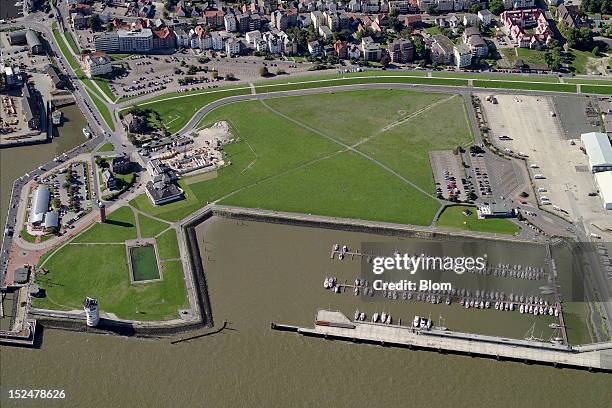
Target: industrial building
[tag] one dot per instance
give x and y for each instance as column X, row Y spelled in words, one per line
column 597, row 147
column 495, row 211
column 40, row 216
column 31, row 107
column 604, row 182
column 29, row 37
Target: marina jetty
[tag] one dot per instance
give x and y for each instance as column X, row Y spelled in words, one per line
column 335, row 325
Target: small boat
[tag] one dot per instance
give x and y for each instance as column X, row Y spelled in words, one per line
column 487, row 305
column 362, row 316
column 336, row 247
column 56, row 117
column 356, row 291
column 357, row 282
column 404, row 296
column 409, row 295
column 512, row 307
column 383, row 317
column 337, row 289
column 522, row 309
column 556, row 312
column 530, row 308
column 415, row 322
column 541, row 310
column 87, row 132
column 482, row 304
column 357, row 314
column 467, row 305
column 554, row 326
column 448, row 300
column 536, row 311
column 496, row 305
column 375, row 317
column 550, row 311
column 389, row 319
column 326, row 283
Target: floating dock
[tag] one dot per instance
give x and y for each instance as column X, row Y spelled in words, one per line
column 335, row 325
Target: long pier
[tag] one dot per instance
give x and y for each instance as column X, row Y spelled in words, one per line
column 335, row 325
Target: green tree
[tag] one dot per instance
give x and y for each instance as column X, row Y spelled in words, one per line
column 496, row 7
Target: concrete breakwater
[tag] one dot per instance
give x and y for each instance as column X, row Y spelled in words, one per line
column 334, row 325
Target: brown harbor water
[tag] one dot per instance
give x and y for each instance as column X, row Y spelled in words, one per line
column 258, row 273
column 16, row 161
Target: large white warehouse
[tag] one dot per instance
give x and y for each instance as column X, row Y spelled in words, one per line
column 604, row 182
column 599, row 150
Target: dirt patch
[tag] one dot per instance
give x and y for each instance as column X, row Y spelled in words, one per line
column 217, row 134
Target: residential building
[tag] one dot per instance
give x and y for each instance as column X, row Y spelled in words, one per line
column 110, row 181
column 354, row 52
column 325, row 32
column 371, row 51
column 217, row 41
column 232, row 47
column 518, row 4
column 284, row 19
column 318, row 19
column 315, row 48
column 478, row 47
column 162, row 190
column 230, row 23
column 598, row 149
column 214, row 19
column 442, row 50
column 463, row 55
column 528, row 28
column 96, row 64
column 401, row 6
column 401, row 51
column 121, row 164
column 164, row 39
column 341, row 48
column 485, row 16
column 253, row 37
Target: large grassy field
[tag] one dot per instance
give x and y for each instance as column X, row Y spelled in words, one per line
column 95, row 264
column 452, row 217
column 340, row 159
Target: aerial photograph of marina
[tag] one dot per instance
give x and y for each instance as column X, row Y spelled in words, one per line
column 279, row 203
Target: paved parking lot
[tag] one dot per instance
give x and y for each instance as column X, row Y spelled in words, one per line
column 449, row 174
column 559, row 169
column 577, row 115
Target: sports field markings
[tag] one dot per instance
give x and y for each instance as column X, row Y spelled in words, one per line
column 348, row 147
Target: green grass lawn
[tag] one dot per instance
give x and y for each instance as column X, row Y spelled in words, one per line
column 500, row 77
column 26, row 236
column 579, row 60
column 104, row 85
column 119, row 226
column 167, row 245
column 72, row 43
column 452, row 217
column 177, row 112
column 101, row 271
column 526, row 85
column 283, row 166
column 106, row 147
column 149, row 227
column 103, row 109
column 605, row 90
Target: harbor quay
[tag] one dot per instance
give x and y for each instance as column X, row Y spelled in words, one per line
column 335, row 325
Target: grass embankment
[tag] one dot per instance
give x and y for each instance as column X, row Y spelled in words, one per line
column 285, row 166
column 106, row 147
column 92, row 90
column 95, row 264
column 452, row 217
